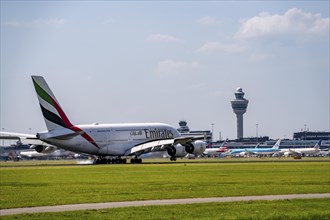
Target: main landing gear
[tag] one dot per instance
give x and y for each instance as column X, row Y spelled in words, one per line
column 173, row 158
column 136, row 160
column 102, row 160
column 116, row 160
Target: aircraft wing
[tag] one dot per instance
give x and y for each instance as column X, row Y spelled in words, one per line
column 294, row 152
column 247, row 151
column 29, row 139
column 160, row 145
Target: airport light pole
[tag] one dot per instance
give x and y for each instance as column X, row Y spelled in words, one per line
column 212, row 133
column 257, row 132
column 305, row 134
column 3, row 141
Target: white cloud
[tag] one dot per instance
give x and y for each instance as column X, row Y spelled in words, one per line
column 36, row 23
column 293, row 22
column 162, row 38
column 170, row 67
column 207, row 20
column 218, row 46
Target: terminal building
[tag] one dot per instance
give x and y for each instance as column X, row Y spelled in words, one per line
column 298, row 140
column 265, row 141
column 311, row 135
column 285, row 143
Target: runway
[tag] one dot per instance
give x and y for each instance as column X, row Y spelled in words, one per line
column 108, row 205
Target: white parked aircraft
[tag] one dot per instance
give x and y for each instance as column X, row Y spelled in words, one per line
column 216, row 151
column 59, row 153
column 114, row 140
column 302, row 151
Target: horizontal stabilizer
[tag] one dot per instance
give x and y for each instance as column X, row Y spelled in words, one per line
column 29, row 139
column 61, row 134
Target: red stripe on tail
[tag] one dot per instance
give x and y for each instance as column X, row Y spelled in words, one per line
column 68, row 124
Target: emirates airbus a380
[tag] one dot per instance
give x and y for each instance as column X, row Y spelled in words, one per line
column 112, row 143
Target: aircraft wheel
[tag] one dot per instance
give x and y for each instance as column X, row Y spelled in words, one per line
column 135, row 160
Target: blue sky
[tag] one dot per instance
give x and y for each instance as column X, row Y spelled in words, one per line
column 113, row 62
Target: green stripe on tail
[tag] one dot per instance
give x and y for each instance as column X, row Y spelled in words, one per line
column 42, row 93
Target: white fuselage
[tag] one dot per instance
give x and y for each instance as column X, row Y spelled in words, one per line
column 214, row 151
column 108, row 139
column 211, row 151
column 264, row 151
column 300, row 151
column 35, row 154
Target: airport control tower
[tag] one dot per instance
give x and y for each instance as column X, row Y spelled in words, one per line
column 239, row 106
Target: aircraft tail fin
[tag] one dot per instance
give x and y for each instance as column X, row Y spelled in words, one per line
column 277, row 144
column 50, row 107
column 318, row 144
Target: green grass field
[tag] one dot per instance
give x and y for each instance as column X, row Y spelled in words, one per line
column 55, row 184
column 286, row 210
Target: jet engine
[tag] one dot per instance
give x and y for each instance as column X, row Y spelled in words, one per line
column 196, row 147
column 242, row 154
column 176, row 151
column 42, row 148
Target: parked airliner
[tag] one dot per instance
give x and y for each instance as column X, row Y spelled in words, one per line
column 216, row 151
column 256, row 150
column 302, row 151
column 117, row 141
column 265, row 151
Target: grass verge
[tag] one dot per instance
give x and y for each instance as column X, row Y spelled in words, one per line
column 285, row 209
column 69, row 184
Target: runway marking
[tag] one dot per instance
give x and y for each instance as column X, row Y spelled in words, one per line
column 108, row 205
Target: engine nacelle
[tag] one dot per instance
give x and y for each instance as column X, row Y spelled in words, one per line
column 196, row 147
column 42, row 148
column 176, row 151
column 242, row 154
column 286, row 154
